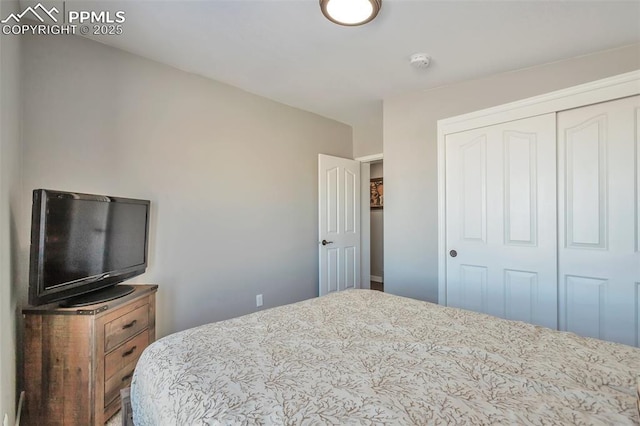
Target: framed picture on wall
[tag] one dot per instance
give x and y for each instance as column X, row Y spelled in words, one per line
column 377, row 193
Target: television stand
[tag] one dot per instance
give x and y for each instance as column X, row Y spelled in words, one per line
column 76, row 360
column 106, row 294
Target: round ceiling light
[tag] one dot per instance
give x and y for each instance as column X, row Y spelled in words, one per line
column 350, row 12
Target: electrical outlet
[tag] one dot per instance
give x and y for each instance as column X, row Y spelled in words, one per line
column 258, row 300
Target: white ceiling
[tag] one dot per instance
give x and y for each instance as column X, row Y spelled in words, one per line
column 287, row 51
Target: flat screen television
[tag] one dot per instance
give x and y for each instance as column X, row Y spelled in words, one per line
column 82, row 245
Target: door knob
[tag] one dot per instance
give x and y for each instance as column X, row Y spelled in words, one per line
column 325, row 242
column 453, row 253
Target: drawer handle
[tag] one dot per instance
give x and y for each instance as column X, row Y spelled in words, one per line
column 129, row 352
column 127, row 377
column 131, row 324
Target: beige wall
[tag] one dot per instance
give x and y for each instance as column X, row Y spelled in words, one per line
column 10, row 105
column 377, row 229
column 367, row 131
column 232, row 177
column 410, row 160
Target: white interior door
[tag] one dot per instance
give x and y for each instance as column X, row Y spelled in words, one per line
column 339, row 223
column 599, row 226
column 501, row 220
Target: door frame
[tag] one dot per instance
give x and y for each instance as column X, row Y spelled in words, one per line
column 619, row 86
column 365, row 217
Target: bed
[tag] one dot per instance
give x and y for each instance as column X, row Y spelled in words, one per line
column 366, row 357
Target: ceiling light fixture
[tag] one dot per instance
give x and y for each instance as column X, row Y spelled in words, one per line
column 350, row 12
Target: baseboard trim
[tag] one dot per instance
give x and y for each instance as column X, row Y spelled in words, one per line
column 376, row 279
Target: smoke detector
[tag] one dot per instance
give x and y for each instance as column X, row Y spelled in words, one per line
column 420, row 60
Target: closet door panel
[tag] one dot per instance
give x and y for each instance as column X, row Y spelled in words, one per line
column 598, row 188
column 501, row 215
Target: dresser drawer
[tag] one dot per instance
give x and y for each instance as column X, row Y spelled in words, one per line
column 124, row 353
column 120, row 380
column 122, row 328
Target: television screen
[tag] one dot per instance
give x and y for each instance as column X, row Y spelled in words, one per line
column 83, row 242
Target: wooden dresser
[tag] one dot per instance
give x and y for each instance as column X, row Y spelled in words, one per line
column 76, row 360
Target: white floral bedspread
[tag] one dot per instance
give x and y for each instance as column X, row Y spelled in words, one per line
column 365, row 357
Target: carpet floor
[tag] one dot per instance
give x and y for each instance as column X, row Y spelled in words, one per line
column 116, row 420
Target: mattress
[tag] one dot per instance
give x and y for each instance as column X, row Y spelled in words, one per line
column 366, row 357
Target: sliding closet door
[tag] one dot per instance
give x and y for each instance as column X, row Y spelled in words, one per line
column 501, row 220
column 599, row 226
